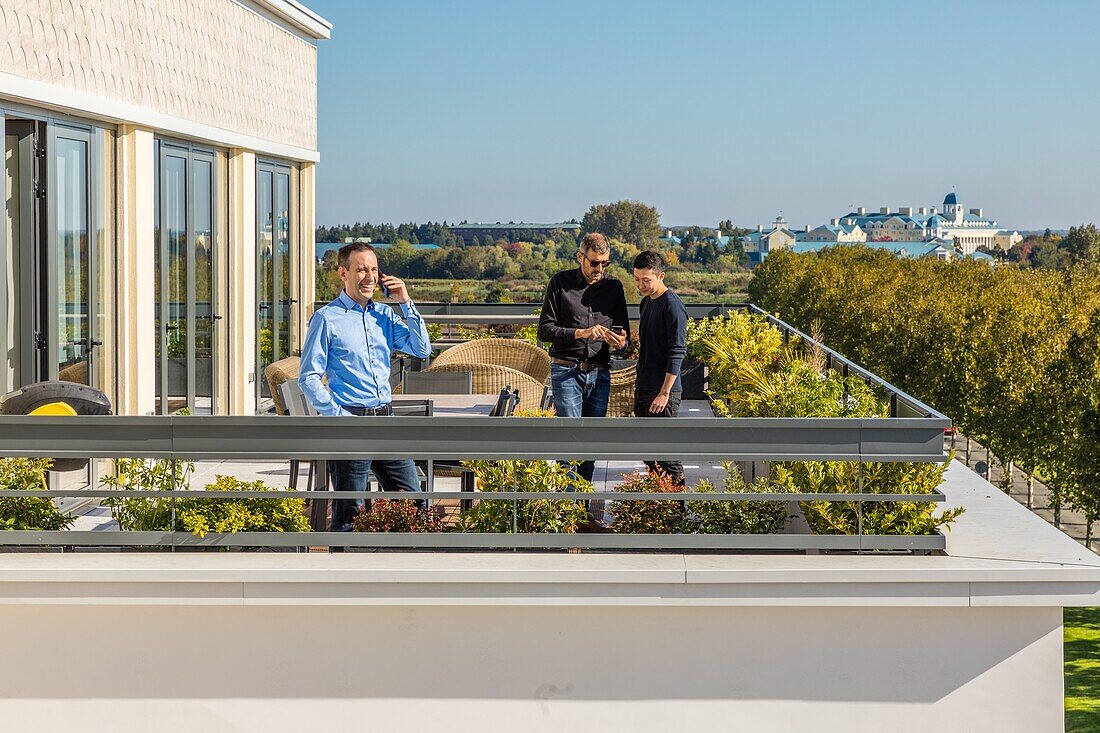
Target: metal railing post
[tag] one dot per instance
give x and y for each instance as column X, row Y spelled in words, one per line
column 172, row 526
column 859, row 506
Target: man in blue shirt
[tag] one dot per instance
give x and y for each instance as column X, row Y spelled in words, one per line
column 350, row 341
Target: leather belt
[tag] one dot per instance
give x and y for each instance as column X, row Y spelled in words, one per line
column 584, row 366
column 361, row 411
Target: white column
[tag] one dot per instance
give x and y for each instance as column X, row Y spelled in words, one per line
column 136, row 272
column 241, row 308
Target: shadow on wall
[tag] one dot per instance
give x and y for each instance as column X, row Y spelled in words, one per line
column 434, row 654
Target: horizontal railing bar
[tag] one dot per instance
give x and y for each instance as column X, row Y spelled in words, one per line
column 477, row 319
column 474, row 496
column 475, row 541
column 448, row 437
column 502, row 312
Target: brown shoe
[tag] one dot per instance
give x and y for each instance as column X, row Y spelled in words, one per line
column 593, row 525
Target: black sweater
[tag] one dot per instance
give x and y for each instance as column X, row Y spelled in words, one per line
column 663, row 336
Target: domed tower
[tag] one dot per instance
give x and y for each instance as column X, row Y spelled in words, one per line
column 952, row 210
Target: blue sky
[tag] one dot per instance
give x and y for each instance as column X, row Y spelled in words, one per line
column 533, row 111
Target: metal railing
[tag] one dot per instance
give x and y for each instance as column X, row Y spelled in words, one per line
column 259, row 438
column 901, row 403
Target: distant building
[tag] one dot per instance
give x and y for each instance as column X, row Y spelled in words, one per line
column 468, row 232
column 835, row 233
column 940, row 249
column 762, row 242
column 969, row 230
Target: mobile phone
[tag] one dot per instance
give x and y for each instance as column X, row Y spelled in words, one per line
column 382, row 285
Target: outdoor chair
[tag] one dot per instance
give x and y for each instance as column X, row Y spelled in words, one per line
column 295, row 403
column 506, row 402
column 620, row 402
column 278, row 372
column 491, row 378
column 398, row 371
column 512, row 353
column 440, row 382
column 412, row 408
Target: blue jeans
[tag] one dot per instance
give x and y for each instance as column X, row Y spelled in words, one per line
column 398, row 475
column 580, row 394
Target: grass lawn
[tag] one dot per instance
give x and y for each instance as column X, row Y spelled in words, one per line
column 1082, row 654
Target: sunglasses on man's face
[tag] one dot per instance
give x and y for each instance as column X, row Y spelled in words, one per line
column 600, row 264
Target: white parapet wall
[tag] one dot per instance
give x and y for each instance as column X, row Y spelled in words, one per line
column 971, row 641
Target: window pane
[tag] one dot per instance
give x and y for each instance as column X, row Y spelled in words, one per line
column 71, row 190
column 204, row 275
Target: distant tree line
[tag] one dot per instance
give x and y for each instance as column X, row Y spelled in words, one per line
column 1081, row 245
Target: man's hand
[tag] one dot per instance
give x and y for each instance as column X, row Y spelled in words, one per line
column 397, row 288
column 594, row 332
column 615, row 339
column 660, row 402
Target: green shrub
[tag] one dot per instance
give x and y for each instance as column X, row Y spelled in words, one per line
column 649, row 516
column 879, row 518
column 145, row 514
column 725, row 343
column 797, row 389
column 540, row 515
column 200, row 516
column 29, row 512
column 738, row 517
column 401, row 515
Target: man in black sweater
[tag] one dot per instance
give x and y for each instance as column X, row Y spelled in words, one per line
column 583, row 318
column 663, row 336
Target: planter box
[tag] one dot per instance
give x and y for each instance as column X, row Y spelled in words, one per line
column 693, row 378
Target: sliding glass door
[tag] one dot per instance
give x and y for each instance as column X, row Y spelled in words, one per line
column 186, row 314
column 274, row 300
column 49, row 247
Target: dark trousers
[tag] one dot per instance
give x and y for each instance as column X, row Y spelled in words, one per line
column 642, row 401
column 578, row 393
column 397, row 475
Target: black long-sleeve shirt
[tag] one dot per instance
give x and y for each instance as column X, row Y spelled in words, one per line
column 663, row 335
column 571, row 303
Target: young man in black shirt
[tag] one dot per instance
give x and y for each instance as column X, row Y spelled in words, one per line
column 662, row 332
column 583, row 318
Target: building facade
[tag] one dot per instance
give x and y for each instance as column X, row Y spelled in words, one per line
column 969, row 230
column 159, row 196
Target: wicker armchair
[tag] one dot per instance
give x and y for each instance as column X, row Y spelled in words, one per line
column 621, row 401
column 278, row 372
column 512, row 353
column 491, row 378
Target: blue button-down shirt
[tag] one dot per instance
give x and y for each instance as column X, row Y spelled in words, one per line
column 351, row 344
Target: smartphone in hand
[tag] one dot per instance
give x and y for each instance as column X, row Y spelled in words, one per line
column 382, row 284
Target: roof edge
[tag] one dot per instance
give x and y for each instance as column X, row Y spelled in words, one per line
column 299, row 16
